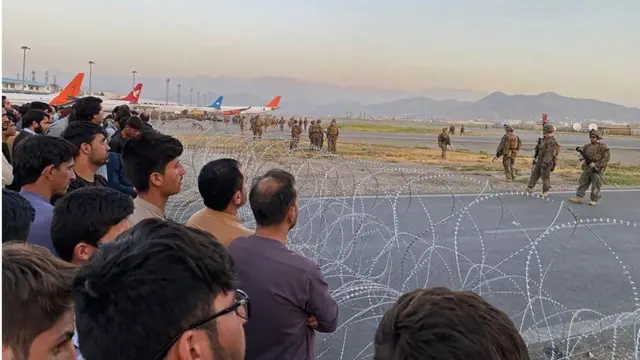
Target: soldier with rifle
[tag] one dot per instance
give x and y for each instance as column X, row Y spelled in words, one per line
column 595, row 156
column 508, row 150
column 544, row 160
column 443, row 142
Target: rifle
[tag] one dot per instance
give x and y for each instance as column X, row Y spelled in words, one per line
column 589, row 161
column 537, row 150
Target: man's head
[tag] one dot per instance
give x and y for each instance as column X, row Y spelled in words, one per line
column 144, row 117
column 438, row 324
column 131, row 127
column 222, row 184
column 152, row 162
column 6, row 103
column 548, row 129
column 90, row 140
column 594, row 136
column 37, row 304
column 189, row 278
column 45, row 160
column 274, row 199
column 8, row 127
column 17, row 216
column 88, row 108
column 43, row 106
column 37, row 121
column 444, row 130
column 87, row 218
column 508, row 129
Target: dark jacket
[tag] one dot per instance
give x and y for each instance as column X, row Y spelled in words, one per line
column 115, row 175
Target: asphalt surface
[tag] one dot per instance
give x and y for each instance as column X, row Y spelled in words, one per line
column 371, row 250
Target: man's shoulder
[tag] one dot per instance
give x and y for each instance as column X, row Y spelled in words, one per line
column 246, row 245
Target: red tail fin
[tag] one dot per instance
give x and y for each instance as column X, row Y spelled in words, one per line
column 275, row 102
column 134, row 95
column 69, row 92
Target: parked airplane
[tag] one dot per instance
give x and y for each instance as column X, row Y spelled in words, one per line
column 131, row 99
column 235, row 110
column 64, row 97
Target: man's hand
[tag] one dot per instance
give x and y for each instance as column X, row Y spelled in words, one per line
column 312, row 322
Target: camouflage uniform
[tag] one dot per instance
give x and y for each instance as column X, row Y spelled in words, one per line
column 462, row 130
column 452, row 129
column 443, row 141
column 295, row 135
column 257, row 128
column 545, row 162
column 508, row 149
column 312, row 134
column 598, row 155
column 242, row 124
column 320, row 134
column 332, row 136
column 282, row 122
column 305, row 124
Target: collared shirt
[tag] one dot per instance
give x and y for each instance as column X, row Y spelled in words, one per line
column 40, row 230
column 285, row 288
column 224, row 227
column 57, row 128
column 76, row 344
column 29, row 131
column 145, row 210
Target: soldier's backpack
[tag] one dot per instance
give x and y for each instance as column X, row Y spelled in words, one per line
column 510, row 146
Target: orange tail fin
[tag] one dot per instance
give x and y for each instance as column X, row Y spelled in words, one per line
column 275, row 102
column 134, row 95
column 69, row 92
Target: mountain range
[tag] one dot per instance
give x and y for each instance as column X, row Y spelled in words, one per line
column 300, row 97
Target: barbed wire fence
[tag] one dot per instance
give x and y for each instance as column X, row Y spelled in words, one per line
column 566, row 281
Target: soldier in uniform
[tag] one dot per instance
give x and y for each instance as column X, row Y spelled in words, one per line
column 544, row 161
column 243, row 123
column 462, row 130
column 320, row 134
column 282, row 122
column 305, row 124
column 332, row 136
column 295, row 134
column 312, row 134
column 596, row 156
column 257, row 128
column 443, row 142
column 452, row 129
column 508, row 149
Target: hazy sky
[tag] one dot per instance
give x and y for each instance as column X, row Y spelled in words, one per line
column 584, row 48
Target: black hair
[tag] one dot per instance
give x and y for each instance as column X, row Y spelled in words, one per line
column 179, row 270
column 144, row 117
column 86, row 215
column 123, row 112
column 33, row 116
column 148, row 154
column 24, row 109
column 39, row 105
column 86, row 108
column 134, row 122
column 218, row 181
column 438, row 323
column 35, row 153
column 82, row 132
column 271, row 196
column 17, row 216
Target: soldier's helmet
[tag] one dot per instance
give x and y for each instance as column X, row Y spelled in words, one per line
column 444, row 129
column 595, row 133
column 333, row 121
column 548, row 128
column 508, row 128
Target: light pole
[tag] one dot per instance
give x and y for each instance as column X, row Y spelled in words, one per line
column 24, row 61
column 204, row 98
column 134, row 78
column 179, row 86
column 167, row 96
column 91, row 62
column 198, row 98
column 191, row 97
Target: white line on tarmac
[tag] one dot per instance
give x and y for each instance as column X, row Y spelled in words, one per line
column 406, row 196
column 508, row 231
column 579, row 328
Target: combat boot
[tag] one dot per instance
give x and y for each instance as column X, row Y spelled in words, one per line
column 545, row 194
column 529, row 190
column 577, row 200
column 592, row 203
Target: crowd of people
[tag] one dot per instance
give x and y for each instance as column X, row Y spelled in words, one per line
column 92, row 268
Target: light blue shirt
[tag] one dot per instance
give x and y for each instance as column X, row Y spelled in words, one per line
column 76, row 344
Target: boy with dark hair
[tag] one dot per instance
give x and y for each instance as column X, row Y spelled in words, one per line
column 43, row 168
column 197, row 312
column 90, row 140
column 87, row 218
column 35, row 122
column 37, row 304
column 440, row 324
column 88, row 108
column 222, row 186
column 153, row 166
column 130, row 128
column 17, row 216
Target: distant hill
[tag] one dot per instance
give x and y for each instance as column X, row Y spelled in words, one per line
column 300, row 97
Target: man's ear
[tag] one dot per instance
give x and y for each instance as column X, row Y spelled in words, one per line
column 191, row 345
column 82, row 252
column 85, row 148
column 156, row 179
column 48, row 172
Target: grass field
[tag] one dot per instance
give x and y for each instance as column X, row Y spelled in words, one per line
column 396, row 128
column 461, row 160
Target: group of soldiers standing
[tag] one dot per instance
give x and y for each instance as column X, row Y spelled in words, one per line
column 595, row 157
column 297, row 126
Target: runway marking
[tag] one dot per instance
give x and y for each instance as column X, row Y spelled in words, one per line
column 579, row 328
column 542, row 228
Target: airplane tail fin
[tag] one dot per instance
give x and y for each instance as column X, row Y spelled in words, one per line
column 134, row 95
column 70, row 92
column 218, row 103
column 275, row 102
